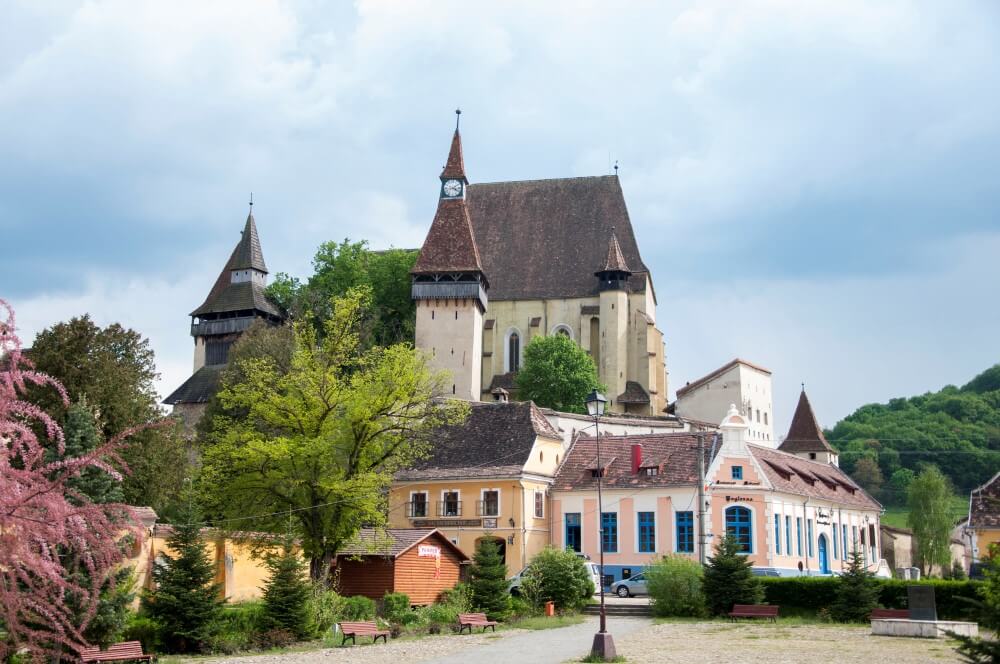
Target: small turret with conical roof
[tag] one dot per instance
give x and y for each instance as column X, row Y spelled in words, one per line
column 615, row 273
column 449, row 285
column 805, row 436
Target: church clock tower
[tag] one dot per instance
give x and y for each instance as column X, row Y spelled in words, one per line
column 449, row 286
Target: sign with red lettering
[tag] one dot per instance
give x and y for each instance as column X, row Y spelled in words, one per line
column 428, row 551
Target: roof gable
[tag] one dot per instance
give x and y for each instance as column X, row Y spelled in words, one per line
column 496, row 440
column 394, row 542
column 718, row 372
column 805, row 434
column 546, row 238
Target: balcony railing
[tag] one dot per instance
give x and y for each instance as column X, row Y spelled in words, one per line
column 449, row 508
column 417, row 510
column 221, row 326
column 487, row 508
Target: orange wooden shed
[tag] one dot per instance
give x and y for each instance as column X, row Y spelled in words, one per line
column 420, row 562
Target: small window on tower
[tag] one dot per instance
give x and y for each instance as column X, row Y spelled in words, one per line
column 456, row 314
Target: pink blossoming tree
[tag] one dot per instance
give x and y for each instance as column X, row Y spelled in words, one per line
column 57, row 548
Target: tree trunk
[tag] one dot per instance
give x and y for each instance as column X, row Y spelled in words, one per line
column 319, row 567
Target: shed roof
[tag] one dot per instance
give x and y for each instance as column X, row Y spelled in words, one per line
column 394, row 542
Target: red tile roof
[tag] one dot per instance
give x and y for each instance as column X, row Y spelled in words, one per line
column 449, row 245
column 805, row 434
column 984, row 505
column 813, row 479
column 615, row 261
column 676, row 454
column 454, row 168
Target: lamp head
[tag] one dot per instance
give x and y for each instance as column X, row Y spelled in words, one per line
column 596, row 403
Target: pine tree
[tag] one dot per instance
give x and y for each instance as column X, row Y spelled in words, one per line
column 857, row 594
column 287, row 591
column 488, row 579
column 185, row 600
column 82, row 437
column 729, row 579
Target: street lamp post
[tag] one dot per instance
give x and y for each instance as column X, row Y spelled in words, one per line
column 604, row 643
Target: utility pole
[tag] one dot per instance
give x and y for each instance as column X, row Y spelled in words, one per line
column 701, row 498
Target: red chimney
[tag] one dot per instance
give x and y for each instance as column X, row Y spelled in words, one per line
column 636, row 458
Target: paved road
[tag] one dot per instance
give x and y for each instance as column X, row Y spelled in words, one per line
column 546, row 646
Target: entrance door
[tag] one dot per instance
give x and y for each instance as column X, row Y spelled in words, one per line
column 824, row 565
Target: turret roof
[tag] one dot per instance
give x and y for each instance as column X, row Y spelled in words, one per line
column 615, row 261
column 248, row 254
column 454, row 168
column 805, row 434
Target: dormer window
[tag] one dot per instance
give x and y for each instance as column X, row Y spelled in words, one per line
column 649, row 471
column 597, row 472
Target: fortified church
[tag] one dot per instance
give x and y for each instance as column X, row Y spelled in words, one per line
column 506, row 262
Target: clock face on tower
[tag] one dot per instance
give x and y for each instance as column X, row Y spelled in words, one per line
column 452, row 188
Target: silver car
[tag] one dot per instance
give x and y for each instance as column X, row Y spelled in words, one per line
column 631, row 587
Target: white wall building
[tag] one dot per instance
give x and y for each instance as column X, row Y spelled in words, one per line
column 739, row 382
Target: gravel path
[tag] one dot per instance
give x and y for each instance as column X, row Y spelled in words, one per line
column 755, row 643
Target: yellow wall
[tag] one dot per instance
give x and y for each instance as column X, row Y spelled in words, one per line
column 530, row 534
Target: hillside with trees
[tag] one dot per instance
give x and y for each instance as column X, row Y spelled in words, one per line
column 957, row 429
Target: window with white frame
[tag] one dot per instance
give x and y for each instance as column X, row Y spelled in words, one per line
column 450, row 503
column 489, row 504
column 418, row 504
column 539, row 504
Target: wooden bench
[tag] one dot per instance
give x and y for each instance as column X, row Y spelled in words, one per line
column 471, row 620
column 353, row 629
column 767, row 611
column 893, row 614
column 119, row 652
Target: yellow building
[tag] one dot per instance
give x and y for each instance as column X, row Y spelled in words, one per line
column 488, row 477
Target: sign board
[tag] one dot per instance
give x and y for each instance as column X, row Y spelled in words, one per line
column 429, row 551
column 490, row 523
column 823, row 517
column 739, row 499
column 921, row 602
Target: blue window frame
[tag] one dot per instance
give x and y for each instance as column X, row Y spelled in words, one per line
column 739, row 525
column 834, row 541
column 809, row 536
column 573, row 535
column 609, row 531
column 788, row 535
column 685, row 532
column 777, row 533
column 737, row 472
column 647, row 532
column 843, row 541
column 798, row 533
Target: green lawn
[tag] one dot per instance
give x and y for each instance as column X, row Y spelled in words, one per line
column 895, row 516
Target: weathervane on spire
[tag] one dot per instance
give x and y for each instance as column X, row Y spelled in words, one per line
column 458, row 116
column 251, row 201
column 616, row 167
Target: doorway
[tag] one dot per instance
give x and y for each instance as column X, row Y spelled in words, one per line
column 824, row 564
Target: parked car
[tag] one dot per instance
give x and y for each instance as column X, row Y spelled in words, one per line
column 518, row 579
column 630, row 587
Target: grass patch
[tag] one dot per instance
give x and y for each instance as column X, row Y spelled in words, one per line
column 595, row 658
column 543, row 622
column 895, row 516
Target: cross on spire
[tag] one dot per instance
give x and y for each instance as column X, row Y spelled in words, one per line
column 458, row 116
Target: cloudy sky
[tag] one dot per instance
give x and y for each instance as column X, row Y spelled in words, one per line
column 814, row 185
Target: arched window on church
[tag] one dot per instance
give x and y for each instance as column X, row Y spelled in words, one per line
column 514, row 351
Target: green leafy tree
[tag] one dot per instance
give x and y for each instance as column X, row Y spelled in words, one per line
column 675, row 586
column 557, row 374
column 867, row 473
column 857, row 592
column 930, row 498
column 113, row 369
column 957, row 429
column 729, row 579
column 340, row 267
column 287, row 591
column 560, row 577
column 184, row 600
column 488, row 579
column 323, row 439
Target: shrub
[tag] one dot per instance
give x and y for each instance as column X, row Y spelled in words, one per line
column 729, row 580
column 675, row 586
column 805, row 593
column 357, row 607
column 460, row 597
column 522, row 608
column 286, row 592
column 489, row 581
column 323, row 609
column 236, row 628
column 440, row 615
column 145, row 630
column 560, row 577
column 275, row 638
column 395, row 606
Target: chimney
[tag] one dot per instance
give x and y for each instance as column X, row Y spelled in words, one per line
column 636, row 458
column 501, row 395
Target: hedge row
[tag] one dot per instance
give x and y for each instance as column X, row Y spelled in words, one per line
column 812, row 593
